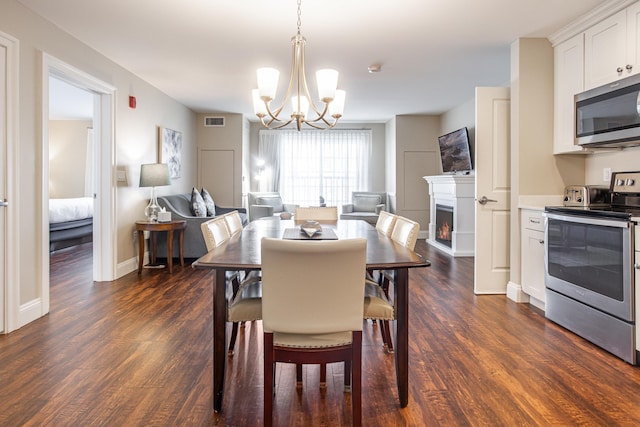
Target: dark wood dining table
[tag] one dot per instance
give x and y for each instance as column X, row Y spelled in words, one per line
column 242, row 252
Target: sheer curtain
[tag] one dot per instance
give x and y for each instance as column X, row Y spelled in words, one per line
column 304, row 165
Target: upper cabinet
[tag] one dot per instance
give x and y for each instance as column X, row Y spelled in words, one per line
column 568, row 81
column 604, row 52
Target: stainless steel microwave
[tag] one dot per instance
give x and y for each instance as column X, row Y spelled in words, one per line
column 609, row 115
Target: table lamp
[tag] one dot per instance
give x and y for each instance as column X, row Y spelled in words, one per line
column 153, row 175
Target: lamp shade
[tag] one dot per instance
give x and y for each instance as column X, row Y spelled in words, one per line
column 154, row 175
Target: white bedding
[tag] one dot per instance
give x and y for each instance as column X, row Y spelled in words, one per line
column 61, row 210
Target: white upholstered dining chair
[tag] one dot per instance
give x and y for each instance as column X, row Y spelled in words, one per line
column 378, row 305
column 324, row 213
column 312, row 309
column 234, row 222
column 245, row 304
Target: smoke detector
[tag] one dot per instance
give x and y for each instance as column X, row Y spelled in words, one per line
column 374, row 68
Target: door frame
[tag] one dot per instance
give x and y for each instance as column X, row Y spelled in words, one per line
column 10, row 282
column 104, row 218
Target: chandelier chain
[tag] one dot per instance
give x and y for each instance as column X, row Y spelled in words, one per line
column 299, row 15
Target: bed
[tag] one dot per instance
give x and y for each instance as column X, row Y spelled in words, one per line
column 70, row 222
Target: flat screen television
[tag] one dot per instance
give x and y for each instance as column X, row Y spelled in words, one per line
column 455, row 153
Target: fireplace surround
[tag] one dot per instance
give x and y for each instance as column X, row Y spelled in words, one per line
column 454, row 195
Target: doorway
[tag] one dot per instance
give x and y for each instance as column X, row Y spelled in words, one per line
column 104, row 239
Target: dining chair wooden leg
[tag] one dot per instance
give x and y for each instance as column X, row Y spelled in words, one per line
column 348, row 371
column 269, row 380
column 232, row 339
column 383, row 333
column 387, row 333
column 298, row 375
column 323, row 375
column 356, row 378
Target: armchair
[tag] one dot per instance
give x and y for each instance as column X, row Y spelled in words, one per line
column 267, row 204
column 365, row 205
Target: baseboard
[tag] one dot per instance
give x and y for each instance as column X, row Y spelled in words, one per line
column 126, row 267
column 30, row 311
column 515, row 293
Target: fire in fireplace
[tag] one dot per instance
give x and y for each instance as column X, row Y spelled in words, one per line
column 444, row 224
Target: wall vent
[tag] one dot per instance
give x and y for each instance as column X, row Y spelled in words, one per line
column 216, row 122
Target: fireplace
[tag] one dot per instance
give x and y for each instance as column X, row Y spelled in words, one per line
column 444, row 224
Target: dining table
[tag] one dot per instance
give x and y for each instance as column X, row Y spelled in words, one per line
column 242, row 253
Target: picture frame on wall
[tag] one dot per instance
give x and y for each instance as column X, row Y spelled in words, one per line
column 170, row 150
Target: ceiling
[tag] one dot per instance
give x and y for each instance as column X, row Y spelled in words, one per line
column 204, row 53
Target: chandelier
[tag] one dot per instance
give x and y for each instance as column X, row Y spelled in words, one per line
column 327, row 80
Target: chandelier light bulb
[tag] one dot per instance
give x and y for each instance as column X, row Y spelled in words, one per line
column 268, row 82
column 301, row 109
column 259, row 108
column 336, row 108
column 327, row 84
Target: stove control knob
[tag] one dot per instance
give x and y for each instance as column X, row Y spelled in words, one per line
column 620, row 182
column 579, row 199
column 566, row 198
column 630, row 181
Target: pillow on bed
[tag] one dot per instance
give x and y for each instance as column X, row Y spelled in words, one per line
column 209, row 203
column 198, row 208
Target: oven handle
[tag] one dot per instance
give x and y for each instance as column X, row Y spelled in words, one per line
column 590, row 220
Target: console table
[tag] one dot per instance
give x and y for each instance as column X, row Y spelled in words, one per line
column 453, row 195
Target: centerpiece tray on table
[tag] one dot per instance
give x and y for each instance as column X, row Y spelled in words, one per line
column 309, row 230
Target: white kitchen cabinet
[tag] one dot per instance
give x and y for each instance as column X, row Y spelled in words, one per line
column 568, row 81
column 610, row 48
column 532, row 253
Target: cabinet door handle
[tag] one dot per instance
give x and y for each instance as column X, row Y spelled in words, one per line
column 629, row 67
column 619, row 69
column 541, row 242
column 534, row 221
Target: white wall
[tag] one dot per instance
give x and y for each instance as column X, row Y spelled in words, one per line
column 135, row 133
column 67, row 157
column 625, row 160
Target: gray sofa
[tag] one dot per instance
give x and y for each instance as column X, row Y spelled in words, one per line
column 365, row 205
column 180, row 207
column 267, row 204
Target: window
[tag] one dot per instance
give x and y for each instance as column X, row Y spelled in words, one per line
column 304, row 165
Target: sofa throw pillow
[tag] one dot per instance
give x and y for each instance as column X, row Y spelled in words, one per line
column 366, row 202
column 198, row 208
column 208, row 201
column 274, row 201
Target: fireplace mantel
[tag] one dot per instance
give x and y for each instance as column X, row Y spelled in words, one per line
column 458, row 192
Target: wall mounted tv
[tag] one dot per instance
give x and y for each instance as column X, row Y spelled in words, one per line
column 455, row 153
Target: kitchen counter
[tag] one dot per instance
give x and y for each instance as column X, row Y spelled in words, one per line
column 539, row 202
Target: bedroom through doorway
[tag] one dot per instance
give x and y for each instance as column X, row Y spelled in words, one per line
column 71, row 165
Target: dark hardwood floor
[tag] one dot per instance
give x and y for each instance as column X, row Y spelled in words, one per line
column 137, row 352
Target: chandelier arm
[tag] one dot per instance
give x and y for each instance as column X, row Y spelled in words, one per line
column 315, row 126
column 307, row 93
column 273, row 114
column 321, row 115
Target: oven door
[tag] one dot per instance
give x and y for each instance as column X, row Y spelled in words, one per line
column 590, row 259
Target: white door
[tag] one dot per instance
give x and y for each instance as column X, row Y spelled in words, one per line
column 493, row 190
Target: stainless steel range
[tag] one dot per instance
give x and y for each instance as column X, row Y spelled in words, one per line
column 589, row 267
